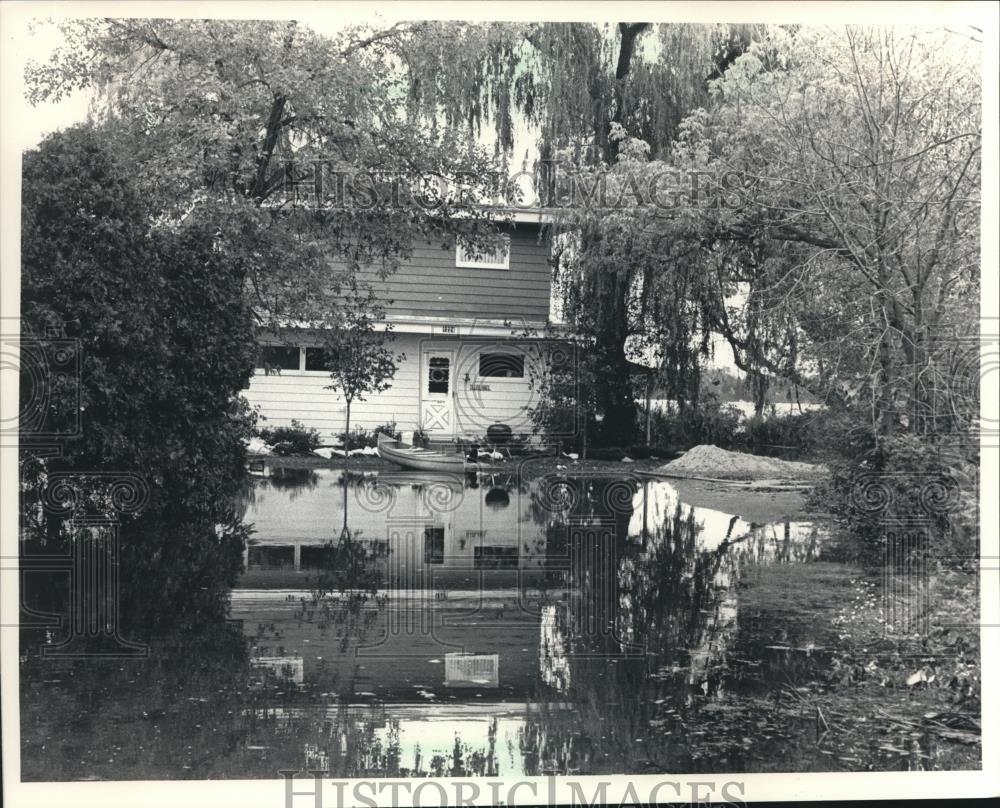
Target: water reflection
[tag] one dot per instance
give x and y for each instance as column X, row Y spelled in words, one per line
column 412, row 624
column 606, row 603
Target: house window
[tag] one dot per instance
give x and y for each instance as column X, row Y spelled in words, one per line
column 278, row 357
column 501, row 365
column 317, row 359
column 497, row 258
column 438, row 371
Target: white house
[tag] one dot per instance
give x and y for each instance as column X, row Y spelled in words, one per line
column 461, row 322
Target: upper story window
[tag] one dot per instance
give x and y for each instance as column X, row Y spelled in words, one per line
column 278, row 357
column 498, row 258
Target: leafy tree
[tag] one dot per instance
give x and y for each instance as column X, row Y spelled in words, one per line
column 357, row 353
column 856, row 155
column 291, row 144
column 165, row 343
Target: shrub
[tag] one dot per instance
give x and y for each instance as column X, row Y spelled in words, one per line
column 519, row 443
column 907, row 495
column 779, row 431
column 361, row 437
column 387, row 429
column 605, row 453
column 635, row 452
column 639, row 452
column 294, row 439
column 709, row 422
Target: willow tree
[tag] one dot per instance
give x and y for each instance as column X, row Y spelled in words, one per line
column 580, row 90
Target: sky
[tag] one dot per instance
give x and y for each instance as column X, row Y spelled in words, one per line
column 30, row 124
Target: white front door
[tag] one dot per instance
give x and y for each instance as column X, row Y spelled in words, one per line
column 437, row 383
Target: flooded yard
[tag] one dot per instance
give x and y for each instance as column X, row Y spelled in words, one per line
column 552, row 623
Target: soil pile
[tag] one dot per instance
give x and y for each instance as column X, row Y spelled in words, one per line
column 711, row 461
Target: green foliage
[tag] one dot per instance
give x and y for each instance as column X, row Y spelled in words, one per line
column 613, row 453
column 561, row 77
column 388, row 428
column 351, row 564
column 166, row 342
column 234, row 122
column 356, row 347
column 599, row 95
column 709, row 422
column 293, row 439
column 166, row 339
column 862, row 282
column 658, row 451
column 730, row 386
column 779, row 431
column 567, row 394
column 908, row 495
column 361, row 437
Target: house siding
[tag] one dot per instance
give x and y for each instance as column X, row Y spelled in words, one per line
column 429, row 283
column 301, row 395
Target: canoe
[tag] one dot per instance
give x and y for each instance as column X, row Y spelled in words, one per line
column 417, row 459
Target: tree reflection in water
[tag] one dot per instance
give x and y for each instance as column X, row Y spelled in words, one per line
column 644, row 704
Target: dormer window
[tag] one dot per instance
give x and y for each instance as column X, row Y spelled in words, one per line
column 497, row 258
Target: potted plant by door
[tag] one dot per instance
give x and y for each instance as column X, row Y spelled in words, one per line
column 420, row 439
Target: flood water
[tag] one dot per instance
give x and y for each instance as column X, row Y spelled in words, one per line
column 399, row 624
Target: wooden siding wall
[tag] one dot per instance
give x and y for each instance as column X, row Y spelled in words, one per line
column 300, row 395
column 430, row 285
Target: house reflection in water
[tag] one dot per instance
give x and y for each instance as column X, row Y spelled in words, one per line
column 506, row 628
column 279, row 669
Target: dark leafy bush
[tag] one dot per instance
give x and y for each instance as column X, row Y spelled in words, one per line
column 645, row 452
column 906, row 495
column 387, row 429
column 635, row 452
column 164, row 343
column 709, row 422
column 605, row 453
column 521, row 442
column 293, row 439
column 361, row 437
column 780, row 431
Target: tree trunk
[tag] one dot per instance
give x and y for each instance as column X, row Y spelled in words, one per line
column 649, row 411
column 615, row 398
column 883, row 394
column 347, row 431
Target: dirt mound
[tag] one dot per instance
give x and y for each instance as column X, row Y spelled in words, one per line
column 711, row 461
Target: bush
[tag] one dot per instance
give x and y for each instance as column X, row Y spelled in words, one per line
column 907, row 495
column 709, row 422
column 639, row 452
column 780, row 431
column 519, row 443
column 161, row 340
column 605, row 453
column 294, row 439
column 387, row 429
column 361, row 437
